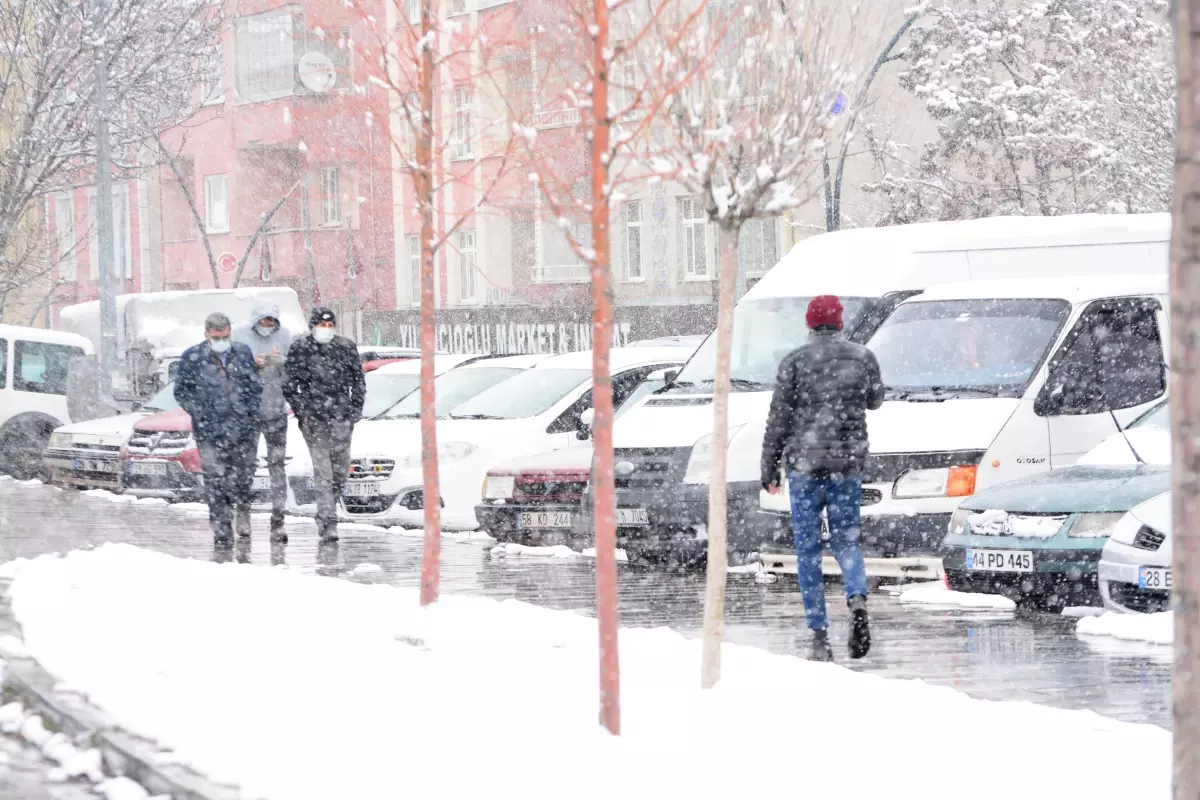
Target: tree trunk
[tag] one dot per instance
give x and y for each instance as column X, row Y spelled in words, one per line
column 1185, row 409
column 714, row 594
column 432, row 552
column 603, row 487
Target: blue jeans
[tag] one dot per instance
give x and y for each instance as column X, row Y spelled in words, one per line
column 841, row 497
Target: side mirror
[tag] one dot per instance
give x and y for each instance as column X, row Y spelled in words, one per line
column 586, row 417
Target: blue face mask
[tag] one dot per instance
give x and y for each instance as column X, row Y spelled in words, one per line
column 220, row 345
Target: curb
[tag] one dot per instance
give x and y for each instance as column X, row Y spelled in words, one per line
column 123, row 753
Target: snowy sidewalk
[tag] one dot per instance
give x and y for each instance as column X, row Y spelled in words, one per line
column 299, row 687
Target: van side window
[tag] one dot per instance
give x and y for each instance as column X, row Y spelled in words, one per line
column 1111, row 359
column 3, row 363
column 42, row 367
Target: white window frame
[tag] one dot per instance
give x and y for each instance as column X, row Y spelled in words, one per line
column 64, row 229
column 412, row 11
column 413, row 242
column 456, row 7
column 753, row 246
column 265, row 66
column 621, row 96
column 331, row 197
column 695, row 242
column 122, row 234
column 212, row 221
column 213, row 94
column 463, row 99
column 468, row 279
column 632, row 228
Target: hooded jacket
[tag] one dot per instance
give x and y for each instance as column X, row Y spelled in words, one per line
column 274, row 349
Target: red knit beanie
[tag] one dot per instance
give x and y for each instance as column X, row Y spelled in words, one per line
column 824, row 309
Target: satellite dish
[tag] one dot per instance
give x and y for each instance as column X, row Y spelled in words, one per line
column 316, row 72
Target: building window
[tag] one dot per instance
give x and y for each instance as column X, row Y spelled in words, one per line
column 466, row 265
column 457, row 7
column 631, row 238
column 265, row 55
column 212, row 91
column 414, row 266
column 216, row 201
column 412, row 10
column 122, row 245
column 462, row 122
column 623, row 88
column 64, row 226
column 695, row 250
column 331, row 196
column 758, row 246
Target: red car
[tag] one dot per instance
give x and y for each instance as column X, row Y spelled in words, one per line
column 161, row 460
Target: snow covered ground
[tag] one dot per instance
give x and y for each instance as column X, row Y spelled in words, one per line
column 300, row 687
column 1152, row 628
column 935, row 593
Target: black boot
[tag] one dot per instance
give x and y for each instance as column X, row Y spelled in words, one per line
column 821, row 650
column 242, row 522
column 860, row 629
column 278, row 532
column 329, row 531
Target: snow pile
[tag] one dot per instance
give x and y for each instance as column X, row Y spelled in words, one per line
column 412, row 690
column 107, row 495
column 556, row 551
column 935, row 593
column 1152, row 628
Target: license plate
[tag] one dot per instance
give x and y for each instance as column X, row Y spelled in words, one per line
column 1000, row 560
column 92, row 465
column 1154, row 578
column 632, row 516
column 147, row 468
column 365, row 489
column 261, row 484
column 544, row 519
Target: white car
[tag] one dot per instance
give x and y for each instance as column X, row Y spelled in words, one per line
column 536, row 411
column 1135, row 567
column 88, row 454
column 392, row 396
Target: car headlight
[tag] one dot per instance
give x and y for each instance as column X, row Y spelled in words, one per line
column 942, row 482
column 447, row 452
column 63, row 440
column 1126, row 529
column 1094, row 525
column 699, row 466
column 958, row 520
column 498, row 487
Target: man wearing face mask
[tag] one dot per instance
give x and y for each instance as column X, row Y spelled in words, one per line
column 269, row 342
column 218, row 386
column 324, row 385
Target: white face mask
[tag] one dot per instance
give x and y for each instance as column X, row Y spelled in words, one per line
column 324, row 335
column 263, row 330
column 219, row 345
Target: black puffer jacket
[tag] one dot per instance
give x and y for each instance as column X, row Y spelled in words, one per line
column 324, row 382
column 818, row 418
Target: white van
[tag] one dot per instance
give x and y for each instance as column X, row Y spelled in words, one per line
column 34, row 364
column 662, row 446
column 994, row 380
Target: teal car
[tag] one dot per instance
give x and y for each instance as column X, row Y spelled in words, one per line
column 1038, row 540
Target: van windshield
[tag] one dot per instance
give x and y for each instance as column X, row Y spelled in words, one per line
column 965, row 347
column 764, row 331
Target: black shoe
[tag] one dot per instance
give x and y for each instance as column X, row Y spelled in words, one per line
column 242, row 522
column 223, row 539
column 278, row 532
column 860, row 629
column 329, row 532
column 821, row 650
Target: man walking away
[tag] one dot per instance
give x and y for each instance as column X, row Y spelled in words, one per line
column 818, row 426
column 218, row 385
column 269, row 341
column 325, row 387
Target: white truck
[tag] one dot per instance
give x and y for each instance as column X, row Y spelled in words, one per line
column 154, row 328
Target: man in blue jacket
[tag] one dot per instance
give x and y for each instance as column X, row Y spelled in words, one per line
column 218, row 385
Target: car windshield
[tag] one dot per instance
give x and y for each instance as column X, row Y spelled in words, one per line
column 452, row 389
column 525, row 395
column 648, row 386
column 164, row 400
column 764, row 331
column 948, row 347
column 384, row 390
column 1157, row 417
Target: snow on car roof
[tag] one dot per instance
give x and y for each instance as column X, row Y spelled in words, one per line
column 45, row 335
column 412, row 366
column 619, row 358
column 509, row 362
column 1076, row 289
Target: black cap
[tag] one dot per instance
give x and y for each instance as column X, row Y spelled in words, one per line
column 321, row 314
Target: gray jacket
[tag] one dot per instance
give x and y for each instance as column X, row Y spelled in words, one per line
column 274, row 350
column 818, row 417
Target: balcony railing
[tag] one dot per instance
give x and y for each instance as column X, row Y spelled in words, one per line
column 565, row 273
column 558, row 118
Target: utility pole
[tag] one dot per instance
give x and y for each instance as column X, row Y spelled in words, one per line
column 1185, row 407
column 104, row 214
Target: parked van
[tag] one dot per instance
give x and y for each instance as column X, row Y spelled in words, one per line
column 990, row 381
column 34, row 363
column 662, row 447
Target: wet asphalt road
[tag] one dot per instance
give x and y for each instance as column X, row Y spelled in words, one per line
column 987, row 654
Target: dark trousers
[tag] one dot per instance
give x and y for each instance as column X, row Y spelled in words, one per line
column 329, row 445
column 275, row 432
column 228, row 470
